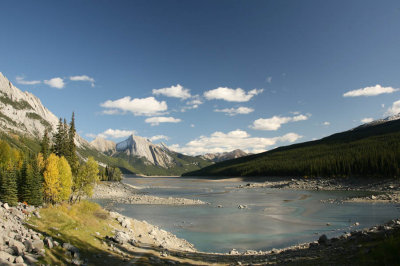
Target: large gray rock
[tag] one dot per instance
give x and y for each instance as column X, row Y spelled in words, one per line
column 74, row 250
column 18, row 247
column 6, row 256
column 30, row 259
column 121, row 237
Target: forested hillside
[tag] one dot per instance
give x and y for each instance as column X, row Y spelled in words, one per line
column 372, row 151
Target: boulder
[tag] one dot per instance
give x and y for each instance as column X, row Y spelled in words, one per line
column 48, row 241
column 121, row 237
column 18, row 247
column 323, row 240
column 5, row 256
column 5, row 206
column 126, row 223
column 19, row 259
column 74, row 250
column 37, row 245
column 30, row 259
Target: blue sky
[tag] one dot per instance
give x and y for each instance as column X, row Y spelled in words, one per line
column 207, row 75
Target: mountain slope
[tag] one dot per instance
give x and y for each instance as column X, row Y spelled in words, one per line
column 148, row 158
column 372, row 150
column 223, row 156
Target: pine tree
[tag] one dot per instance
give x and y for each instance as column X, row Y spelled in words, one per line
column 71, row 154
column 25, row 184
column 37, row 183
column 45, row 145
column 8, row 186
column 51, row 179
column 65, row 179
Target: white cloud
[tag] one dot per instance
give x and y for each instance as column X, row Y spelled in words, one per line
column 235, row 111
column 174, row 91
column 370, row 91
column 158, row 137
column 155, row 121
column 367, row 120
column 113, row 133
column 192, row 104
column 383, row 105
column 394, row 109
column 269, row 79
column 138, row 106
column 237, row 139
column 192, row 125
column 326, row 123
column 275, row 122
column 83, row 78
column 21, row 80
column 55, row 83
column 231, row 95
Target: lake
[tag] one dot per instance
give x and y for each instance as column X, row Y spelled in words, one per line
column 273, row 218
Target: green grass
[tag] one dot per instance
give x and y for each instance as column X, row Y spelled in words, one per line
column 77, row 224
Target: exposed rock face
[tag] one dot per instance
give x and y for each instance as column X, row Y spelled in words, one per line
column 142, row 147
column 24, row 113
column 219, row 157
column 104, row 145
column 379, row 121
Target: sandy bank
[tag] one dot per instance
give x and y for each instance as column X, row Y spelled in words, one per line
column 119, row 192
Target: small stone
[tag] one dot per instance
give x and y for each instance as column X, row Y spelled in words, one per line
column 373, row 197
column 5, row 206
column 19, row 259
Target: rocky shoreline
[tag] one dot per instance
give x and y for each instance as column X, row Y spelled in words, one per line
column 22, row 245
column 378, row 190
column 118, row 192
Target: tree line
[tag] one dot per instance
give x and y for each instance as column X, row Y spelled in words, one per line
column 53, row 175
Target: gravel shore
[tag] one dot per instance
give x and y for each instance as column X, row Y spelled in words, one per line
column 379, row 190
column 119, row 192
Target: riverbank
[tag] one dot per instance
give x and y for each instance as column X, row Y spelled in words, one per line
column 379, row 190
column 84, row 233
column 118, row 192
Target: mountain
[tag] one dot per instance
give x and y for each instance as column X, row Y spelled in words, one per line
column 370, row 150
column 149, row 158
column 223, row 156
column 103, row 145
column 24, row 113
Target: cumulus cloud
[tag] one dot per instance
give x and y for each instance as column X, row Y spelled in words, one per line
column 21, row 80
column 113, row 133
column 193, row 103
column 55, row 83
column 367, row 120
column 155, row 121
column 394, row 109
column 138, row 106
column 268, row 79
column 174, row 91
column 326, row 123
column 275, row 122
column 235, row 111
column 83, row 78
column 231, row 95
column 158, row 137
column 370, row 91
column 237, row 139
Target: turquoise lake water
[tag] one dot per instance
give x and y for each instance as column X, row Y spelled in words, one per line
column 273, row 218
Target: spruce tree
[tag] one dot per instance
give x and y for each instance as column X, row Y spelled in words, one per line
column 37, row 183
column 8, row 186
column 71, row 150
column 45, row 145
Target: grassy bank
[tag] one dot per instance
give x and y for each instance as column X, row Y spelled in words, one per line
column 84, row 225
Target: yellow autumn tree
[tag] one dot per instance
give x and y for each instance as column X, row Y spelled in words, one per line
column 41, row 162
column 86, row 179
column 51, row 179
column 65, row 179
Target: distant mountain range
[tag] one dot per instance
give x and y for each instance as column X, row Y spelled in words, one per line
column 370, row 150
column 223, row 156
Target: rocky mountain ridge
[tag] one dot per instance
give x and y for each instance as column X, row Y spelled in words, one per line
column 223, row 156
column 24, row 113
